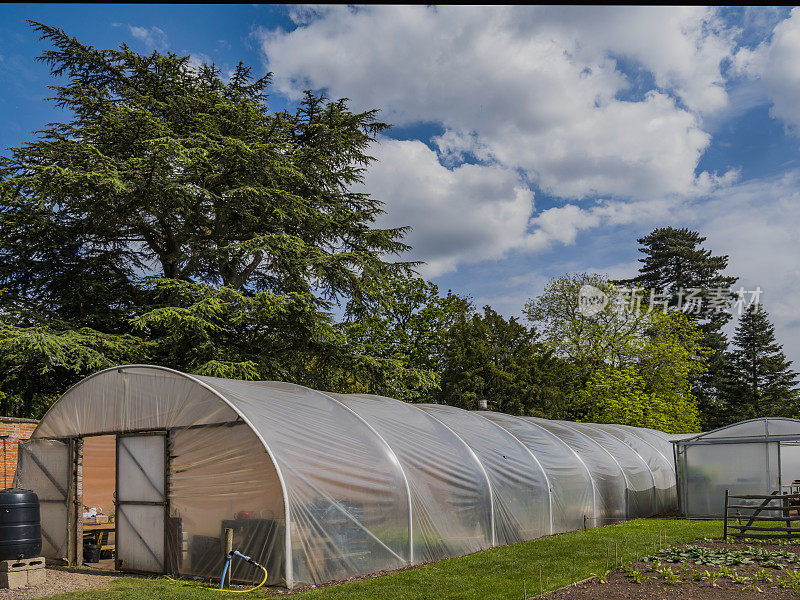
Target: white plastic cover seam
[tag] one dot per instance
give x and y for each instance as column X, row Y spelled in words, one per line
column 536, row 460
column 616, row 462
column 641, row 437
column 649, row 470
column 670, row 465
column 287, row 530
column 578, row 456
column 480, row 464
column 399, row 465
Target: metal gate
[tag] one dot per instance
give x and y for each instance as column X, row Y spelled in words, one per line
column 45, row 466
column 141, row 502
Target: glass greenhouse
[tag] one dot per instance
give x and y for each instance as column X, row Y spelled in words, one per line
column 759, row 456
column 319, row 486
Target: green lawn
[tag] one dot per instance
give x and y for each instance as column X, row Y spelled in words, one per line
column 495, row 574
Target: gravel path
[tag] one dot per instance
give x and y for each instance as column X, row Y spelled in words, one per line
column 59, row 580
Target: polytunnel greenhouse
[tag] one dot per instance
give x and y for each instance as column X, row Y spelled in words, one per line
column 758, row 456
column 319, row 486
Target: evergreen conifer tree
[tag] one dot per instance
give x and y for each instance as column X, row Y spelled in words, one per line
column 174, row 217
column 688, row 277
column 760, row 380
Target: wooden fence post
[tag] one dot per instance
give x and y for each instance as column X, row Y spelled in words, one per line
column 725, row 519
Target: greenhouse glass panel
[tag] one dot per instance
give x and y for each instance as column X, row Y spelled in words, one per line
column 783, row 427
column 790, row 465
column 754, row 457
column 710, row 469
column 756, row 428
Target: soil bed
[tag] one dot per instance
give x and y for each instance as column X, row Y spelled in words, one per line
column 727, row 571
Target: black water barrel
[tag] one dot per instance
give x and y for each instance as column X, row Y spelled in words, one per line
column 20, row 529
column 91, row 553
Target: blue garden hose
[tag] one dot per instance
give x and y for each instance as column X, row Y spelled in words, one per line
column 230, row 556
column 221, row 587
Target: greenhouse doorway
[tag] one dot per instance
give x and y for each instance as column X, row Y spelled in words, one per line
column 790, row 466
column 141, row 502
column 98, row 485
column 123, row 499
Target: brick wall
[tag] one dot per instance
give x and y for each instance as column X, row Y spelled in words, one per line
column 16, row 430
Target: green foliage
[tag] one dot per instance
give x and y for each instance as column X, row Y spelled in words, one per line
column 224, row 332
column 602, row 576
column 408, row 324
column 636, row 367
column 175, row 218
column 668, row 575
column 36, row 360
column 760, row 381
column 654, row 389
column 491, row 358
column 620, row 396
column 607, row 338
column 675, row 262
column 176, row 215
column 169, row 166
column 634, row 574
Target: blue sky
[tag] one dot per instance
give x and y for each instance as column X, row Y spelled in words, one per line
column 528, row 142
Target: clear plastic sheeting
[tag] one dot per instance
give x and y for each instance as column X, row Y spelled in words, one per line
column 573, row 494
column 520, row 488
column 45, row 466
column 321, row 487
column 216, row 485
column 758, row 456
column 344, row 487
column 608, row 478
column 662, row 469
column 451, row 499
column 640, row 481
column 661, row 442
column 136, row 399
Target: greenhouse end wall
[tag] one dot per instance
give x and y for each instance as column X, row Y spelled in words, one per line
column 758, row 456
column 322, row 487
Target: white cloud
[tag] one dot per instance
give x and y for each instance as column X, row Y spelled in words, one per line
column 562, row 224
column 538, row 94
column 756, row 224
column 464, row 215
column 198, row 59
column 776, row 63
column 474, row 213
column 536, row 89
column 153, row 38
